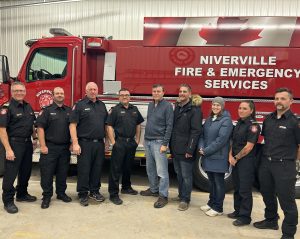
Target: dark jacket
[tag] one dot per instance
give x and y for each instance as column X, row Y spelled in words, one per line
column 187, row 128
column 215, row 142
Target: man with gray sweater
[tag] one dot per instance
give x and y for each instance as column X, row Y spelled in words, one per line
column 157, row 136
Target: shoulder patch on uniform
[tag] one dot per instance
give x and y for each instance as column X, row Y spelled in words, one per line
column 254, row 128
column 5, row 105
column 3, row 112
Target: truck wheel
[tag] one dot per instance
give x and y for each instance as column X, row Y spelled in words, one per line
column 2, row 156
column 201, row 179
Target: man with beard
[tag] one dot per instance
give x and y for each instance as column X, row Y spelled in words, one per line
column 183, row 144
column 277, row 171
column 54, row 137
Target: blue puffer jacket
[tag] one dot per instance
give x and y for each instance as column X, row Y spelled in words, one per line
column 215, row 142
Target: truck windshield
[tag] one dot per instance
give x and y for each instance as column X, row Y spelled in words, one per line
column 47, row 64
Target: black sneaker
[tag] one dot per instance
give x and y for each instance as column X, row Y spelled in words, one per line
column 149, row 193
column 11, row 208
column 161, row 202
column 116, row 200
column 84, row 201
column 233, row 215
column 98, row 197
column 266, row 224
column 45, row 203
column 240, row 223
column 129, row 191
column 26, row 198
column 64, row 197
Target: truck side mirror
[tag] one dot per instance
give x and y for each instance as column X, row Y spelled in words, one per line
column 4, row 70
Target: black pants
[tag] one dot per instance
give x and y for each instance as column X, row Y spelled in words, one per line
column 57, row 162
column 243, row 174
column 123, row 153
column 89, row 167
column 20, row 167
column 278, row 178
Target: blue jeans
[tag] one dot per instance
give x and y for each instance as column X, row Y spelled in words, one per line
column 184, row 170
column 157, row 166
column 216, row 190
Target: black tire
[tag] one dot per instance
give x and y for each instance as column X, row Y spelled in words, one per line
column 201, row 179
column 2, row 157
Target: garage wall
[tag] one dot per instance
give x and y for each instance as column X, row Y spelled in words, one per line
column 122, row 19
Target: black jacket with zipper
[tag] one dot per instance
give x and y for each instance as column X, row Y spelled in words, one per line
column 187, row 129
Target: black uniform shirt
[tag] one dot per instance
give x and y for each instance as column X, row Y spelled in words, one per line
column 17, row 118
column 124, row 121
column 90, row 118
column 281, row 136
column 246, row 130
column 55, row 121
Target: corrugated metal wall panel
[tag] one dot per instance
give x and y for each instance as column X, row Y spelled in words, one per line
column 123, row 19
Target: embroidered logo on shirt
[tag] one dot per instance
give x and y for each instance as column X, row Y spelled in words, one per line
column 254, row 129
column 20, row 114
column 52, row 113
column 282, row 127
column 87, row 109
column 3, row 111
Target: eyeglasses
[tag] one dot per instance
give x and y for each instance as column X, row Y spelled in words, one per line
column 124, row 95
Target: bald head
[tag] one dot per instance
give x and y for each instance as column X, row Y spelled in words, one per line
column 91, row 90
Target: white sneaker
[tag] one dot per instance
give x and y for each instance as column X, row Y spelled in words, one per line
column 213, row 213
column 205, row 208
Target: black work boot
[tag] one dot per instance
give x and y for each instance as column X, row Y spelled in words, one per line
column 266, row 224
column 45, row 203
column 26, row 198
column 129, row 191
column 10, row 207
column 64, row 197
column 116, row 200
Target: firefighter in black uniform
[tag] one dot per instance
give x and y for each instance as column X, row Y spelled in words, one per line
column 54, row 136
column 16, row 128
column 277, row 170
column 87, row 122
column 242, row 158
column 124, row 131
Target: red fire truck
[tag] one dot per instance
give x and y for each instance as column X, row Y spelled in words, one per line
column 232, row 57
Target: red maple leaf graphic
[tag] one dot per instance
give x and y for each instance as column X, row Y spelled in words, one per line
column 229, row 33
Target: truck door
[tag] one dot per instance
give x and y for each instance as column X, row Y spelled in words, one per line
column 47, row 68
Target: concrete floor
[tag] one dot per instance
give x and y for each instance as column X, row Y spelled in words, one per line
column 136, row 218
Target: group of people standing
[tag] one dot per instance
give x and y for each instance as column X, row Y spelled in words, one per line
column 222, row 145
column 88, row 130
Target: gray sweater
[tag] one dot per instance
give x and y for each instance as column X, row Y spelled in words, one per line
column 159, row 121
